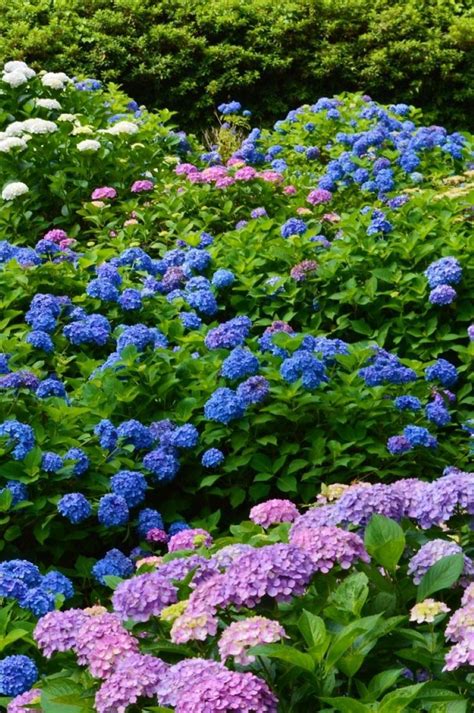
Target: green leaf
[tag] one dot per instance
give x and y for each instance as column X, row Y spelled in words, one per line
column 6, row 498
column 112, row 581
column 284, row 653
column 442, row 575
column 346, row 637
column 346, row 601
column 62, row 695
column 381, row 682
column 314, row 633
column 11, row 637
column 347, row 705
column 398, row 700
column 385, row 541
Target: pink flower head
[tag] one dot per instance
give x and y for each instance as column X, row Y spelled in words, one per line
column 332, row 217
column 274, row 511
column 101, row 642
column 22, row 703
column 242, row 635
column 56, row 630
column 130, row 221
column 303, row 211
column 235, row 162
column 224, row 182
column 185, row 168
column 196, row 177
column 213, row 173
column 67, row 243
column 271, row 176
column 289, row 190
column 135, row 676
column 189, row 540
column 99, row 194
column 299, row 272
column 329, row 545
column 55, row 235
column 319, row 195
column 141, row 186
column 245, row 174
column 156, row 535
column 279, row 326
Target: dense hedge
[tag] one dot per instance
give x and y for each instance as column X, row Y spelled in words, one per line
column 189, row 55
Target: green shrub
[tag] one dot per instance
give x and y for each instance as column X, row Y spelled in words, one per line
column 189, row 55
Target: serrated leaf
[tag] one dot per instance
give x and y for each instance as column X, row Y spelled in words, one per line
column 284, row 653
column 442, row 575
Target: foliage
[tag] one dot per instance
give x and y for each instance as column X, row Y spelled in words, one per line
column 188, row 56
column 194, row 336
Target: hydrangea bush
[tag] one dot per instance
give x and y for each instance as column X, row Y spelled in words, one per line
column 280, row 323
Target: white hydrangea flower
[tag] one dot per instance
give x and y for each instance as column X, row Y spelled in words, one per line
column 14, row 79
column 67, row 117
column 55, row 80
column 122, row 127
column 14, row 190
column 88, row 145
column 17, row 66
column 12, row 142
column 48, row 103
column 31, row 126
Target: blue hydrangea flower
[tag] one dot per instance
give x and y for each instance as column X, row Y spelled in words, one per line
column 397, row 445
column 149, row 519
column 141, row 336
column 305, row 365
column 109, row 272
column 253, row 390
column 40, row 340
column 229, row 334
column 51, row 387
column 19, row 492
column 407, row 403
column 130, row 299
column 107, row 434
column 58, row 583
column 212, row 458
column 113, row 510
column 223, row 406
column 51, row 462
column 240, row 362
column 135, row 433
column 18, row 673
column 437, row 413
column 38, row 601
column 177, row 526
column 163, row 463
column 130, row 485
column 185, row 436
column 75, row 507
column 222, row 278
column 94, row 329
column 419, row 436
column 81, row 464
column 20, row 435
column 190, row 320
column 203, row 301
column 103, row 289
column 442, row 295
column 293, row 226
column 115, row 564
column 443, row 371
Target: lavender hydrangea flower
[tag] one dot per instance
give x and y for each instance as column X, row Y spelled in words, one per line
column 101, row 641
column 433, row 551
column 189, row 540
column 242, row 635
column 274, row 511
column 327, row 546
column 56, row 631
column 135, row 676
column 143, row 596
column 442, row 295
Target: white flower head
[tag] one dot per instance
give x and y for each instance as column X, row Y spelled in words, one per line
column 14, row 79
column 88, row 145
column 122, row 127
column 55, row 80
column 32, row 126
column 11, row 142
column 48, row 103
column 427, row 610
column 67, row 117
column 14, row 190
column 17, row 66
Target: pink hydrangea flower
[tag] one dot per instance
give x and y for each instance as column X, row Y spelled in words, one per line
column 332, row 217
column 22, row 703
column 185, row 168
column 99, row 194
column 224, row 182
column 101, row 642
column 156, row 535
column 318, row 196
column 56, row 630
column 329, row 545
column 289, row 190
column 135, row 676
column 245, row 174
column 141, row 186
column 271, row 176
column 299, row 272
column 56, row 235
column 189, row 540
column 272, row 512
column 242, row 635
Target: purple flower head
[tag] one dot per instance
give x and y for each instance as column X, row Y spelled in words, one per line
column 143, row 596
column 272, row 512
column 189, row 540
column 442, row 295
column 318, row 196
column 246, row 633
column 141, row 186
column 329, row 545
column 99, row 194
column 134, row 677
column 252, row 391
column 433, row 551
column 101, row 642
column 56, row 631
